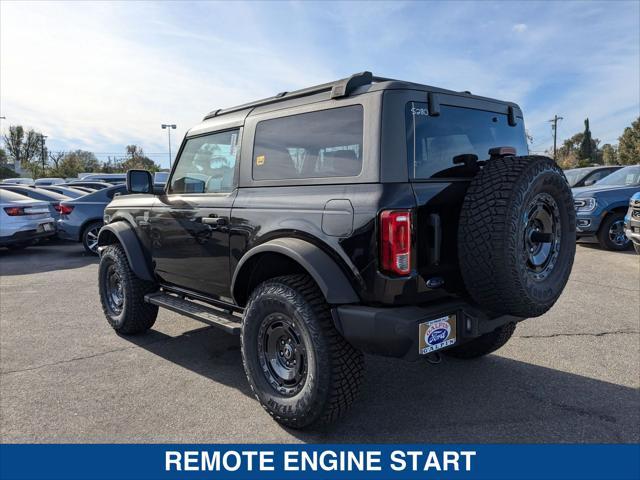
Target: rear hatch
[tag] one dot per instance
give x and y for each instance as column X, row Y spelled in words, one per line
column 444, row 152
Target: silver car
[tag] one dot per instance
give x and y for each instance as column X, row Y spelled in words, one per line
column 23, row 221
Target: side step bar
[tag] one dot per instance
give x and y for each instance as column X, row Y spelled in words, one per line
column 211, row 316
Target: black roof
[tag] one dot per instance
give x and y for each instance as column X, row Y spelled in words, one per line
column 343, row 88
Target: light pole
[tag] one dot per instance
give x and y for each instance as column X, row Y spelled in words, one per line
column 42, row 140
column 169, row 127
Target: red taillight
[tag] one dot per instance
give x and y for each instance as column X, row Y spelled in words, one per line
column 395, row 242
column 64, row 209
column 14, row 211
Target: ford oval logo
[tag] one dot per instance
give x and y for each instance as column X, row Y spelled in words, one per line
column 437, row 336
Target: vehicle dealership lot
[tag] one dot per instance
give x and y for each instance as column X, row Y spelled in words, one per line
column 569, row 376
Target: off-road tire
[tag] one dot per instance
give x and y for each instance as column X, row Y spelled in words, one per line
column 335, row 368
column 603, row 233
column 491, row 235
column 85, row 234
column 136, row 315
column 483, row 345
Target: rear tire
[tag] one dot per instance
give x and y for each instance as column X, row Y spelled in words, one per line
column 122, row 293
column 483, row 345
column 90, row 237
column 517, row 235
column 636, row 247
column 611, row 234
column 301, row 370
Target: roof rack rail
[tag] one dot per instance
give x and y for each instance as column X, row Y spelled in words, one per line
column 338, row 89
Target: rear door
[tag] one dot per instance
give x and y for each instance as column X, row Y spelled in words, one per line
column 442, row 151
column 189, row 225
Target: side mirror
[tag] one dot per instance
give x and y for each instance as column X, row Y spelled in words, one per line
column 588, row 183
column 139, row 181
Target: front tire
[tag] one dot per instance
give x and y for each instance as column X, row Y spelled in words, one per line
column 122, row 293
column 302, row 371
column 611, row 234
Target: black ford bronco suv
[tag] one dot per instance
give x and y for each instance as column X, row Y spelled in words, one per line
column 363, row 215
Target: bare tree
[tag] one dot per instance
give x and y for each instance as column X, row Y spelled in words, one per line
column 56, row 158
column 23, row 147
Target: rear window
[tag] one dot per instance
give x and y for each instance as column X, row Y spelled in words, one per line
column 434, row 141
column 326, row 143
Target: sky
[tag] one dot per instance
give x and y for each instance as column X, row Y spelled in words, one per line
column 102, row 75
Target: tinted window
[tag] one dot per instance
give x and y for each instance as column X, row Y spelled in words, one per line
column 207, row 164
column 327, row 143
column 433, row 142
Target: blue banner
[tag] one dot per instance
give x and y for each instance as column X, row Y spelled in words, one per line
column 325, row 462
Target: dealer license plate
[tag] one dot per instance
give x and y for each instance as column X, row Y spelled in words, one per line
column 46, row 227
column 437, row 334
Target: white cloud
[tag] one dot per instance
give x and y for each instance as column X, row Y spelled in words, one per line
column 519, row 27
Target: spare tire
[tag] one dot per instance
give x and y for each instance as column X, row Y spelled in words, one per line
column 516, row 235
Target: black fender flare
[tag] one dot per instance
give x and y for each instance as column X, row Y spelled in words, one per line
column 333, row 283
column 127, row 237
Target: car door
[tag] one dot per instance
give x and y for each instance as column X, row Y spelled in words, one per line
column 189, row 225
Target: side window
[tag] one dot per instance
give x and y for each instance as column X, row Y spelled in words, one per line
column 207, row 164
column 327, row 143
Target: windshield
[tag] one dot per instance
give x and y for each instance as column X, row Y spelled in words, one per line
column 575, row 175
column 434, row 141
column 624, row 176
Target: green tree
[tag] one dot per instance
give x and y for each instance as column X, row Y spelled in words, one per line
column 23, row 147
column 609, row 154
column 136, row 159
column 75, row 162
column 588, row 147
column 570, row 152
column 629, row 144
column 3, row 157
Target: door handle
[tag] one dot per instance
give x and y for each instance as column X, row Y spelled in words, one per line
column 214, row 221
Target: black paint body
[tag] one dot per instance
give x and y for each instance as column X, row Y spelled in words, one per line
column 338, row 215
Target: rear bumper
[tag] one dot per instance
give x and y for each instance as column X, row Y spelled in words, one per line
column 394, row 332
column 68, row 231
column 25, row 236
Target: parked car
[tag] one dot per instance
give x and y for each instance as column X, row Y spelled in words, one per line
column 88, row 184
column 632, row 222
column 19, row 181
column 113, row 178
column 160, row 177
column 81, row 188
column 23, row 221
column 49, row 181
column 366, row 214
column 64, row 190
column 52, row 198
column 81, row 219
column 587, row 176
column 601, row 208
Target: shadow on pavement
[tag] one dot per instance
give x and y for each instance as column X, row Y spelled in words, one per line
column 44, row 257
column 493, row 399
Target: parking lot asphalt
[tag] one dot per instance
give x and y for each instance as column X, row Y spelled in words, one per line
column 572, row 375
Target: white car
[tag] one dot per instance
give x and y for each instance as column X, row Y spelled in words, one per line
column 19, row 181
column 23, row 221
column 49, row 181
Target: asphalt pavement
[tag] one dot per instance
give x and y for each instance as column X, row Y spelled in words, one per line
column 572, row 375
